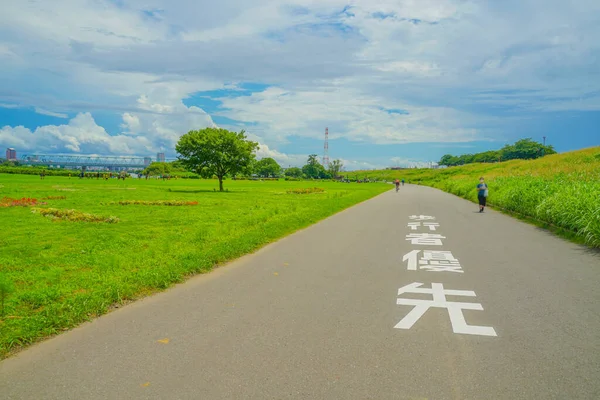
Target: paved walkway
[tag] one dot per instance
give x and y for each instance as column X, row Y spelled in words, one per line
column 499, row 310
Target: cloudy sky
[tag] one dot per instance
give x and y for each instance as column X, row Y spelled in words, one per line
column 395, row 82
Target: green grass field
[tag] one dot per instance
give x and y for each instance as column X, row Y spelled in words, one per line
column 65, row 272
column 560, row 191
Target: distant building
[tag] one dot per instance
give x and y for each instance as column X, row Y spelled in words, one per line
column 160, row 157
column 147, row 161
column 11, row 154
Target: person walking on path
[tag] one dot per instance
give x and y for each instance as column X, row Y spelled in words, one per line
column 402, row 182
column 397, row 184
column 482, row 194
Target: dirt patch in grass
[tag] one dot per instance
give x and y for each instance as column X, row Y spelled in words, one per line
column 73, row 215
column 306, row 190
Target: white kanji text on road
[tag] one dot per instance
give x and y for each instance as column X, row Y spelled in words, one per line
column 457, row 319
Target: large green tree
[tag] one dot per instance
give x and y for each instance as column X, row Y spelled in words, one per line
column 293, row 172
column 313, row 168
column 335, row 167
column 267, row 167
column 157, row 168
column 216, row 152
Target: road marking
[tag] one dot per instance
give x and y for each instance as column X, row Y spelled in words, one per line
column 457, row 319
column 425, row 239
column 421, row 217
column 145, row 384
column 431, row 225
column 433, row 261
column 164, row 341
column 412, row 259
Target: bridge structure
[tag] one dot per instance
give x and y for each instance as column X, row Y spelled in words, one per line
column 83, row 162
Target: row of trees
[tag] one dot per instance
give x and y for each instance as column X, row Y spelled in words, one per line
column 264, row 168
column 524, row 149
column 218, row 152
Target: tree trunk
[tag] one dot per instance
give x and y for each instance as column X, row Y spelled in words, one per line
column 220, row 183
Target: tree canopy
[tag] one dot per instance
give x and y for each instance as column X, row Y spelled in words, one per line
column 157, row 168
column 293, row 172
column 335, row 167
column 524, row 149
column 313, row 168
column 216, row 152
column 267, row 167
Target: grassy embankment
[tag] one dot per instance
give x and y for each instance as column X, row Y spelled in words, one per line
column 66, row 272
column 561, row 191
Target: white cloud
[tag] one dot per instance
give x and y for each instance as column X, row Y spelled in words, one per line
column 353, row 165
column 280, row 113
column 348, row 67
column 50, row 113
column 283, row 159
column 83, row 135
column 165, row 123
column 298, row 160
column 131, row 124
column 412, row 68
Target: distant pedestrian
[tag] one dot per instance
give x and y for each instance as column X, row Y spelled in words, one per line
column 482, row 194
column 397, row 184
column 402, row 182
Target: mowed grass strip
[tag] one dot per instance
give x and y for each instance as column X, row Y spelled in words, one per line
column 66, row 272
column 560, row 191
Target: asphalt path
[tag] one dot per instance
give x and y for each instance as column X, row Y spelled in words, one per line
column 316, row 316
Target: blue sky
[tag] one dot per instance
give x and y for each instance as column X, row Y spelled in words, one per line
column 396, row 82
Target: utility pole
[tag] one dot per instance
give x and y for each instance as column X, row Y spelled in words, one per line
column 544, row 149
column 326, row 149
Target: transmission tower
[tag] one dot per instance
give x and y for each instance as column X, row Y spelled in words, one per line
column 326, row 149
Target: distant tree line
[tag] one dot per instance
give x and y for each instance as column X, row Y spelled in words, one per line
column 216, row 152
column 524, row 149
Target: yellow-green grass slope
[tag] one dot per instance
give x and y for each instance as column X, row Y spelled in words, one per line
column 65, row 272
column 561, row 190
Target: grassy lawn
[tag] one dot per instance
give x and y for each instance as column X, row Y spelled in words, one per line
column 66, row 272
column 561, row 191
